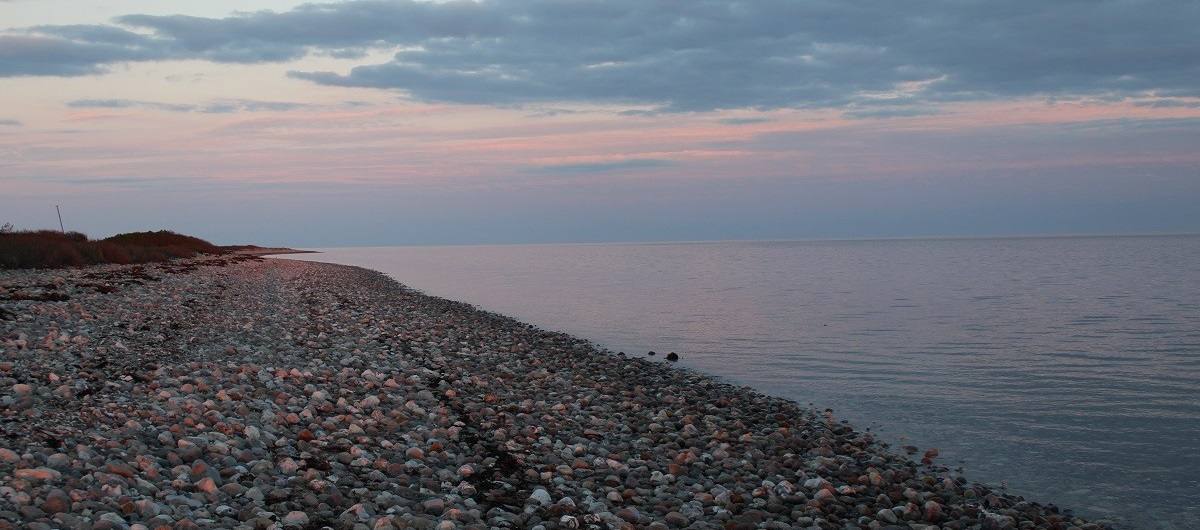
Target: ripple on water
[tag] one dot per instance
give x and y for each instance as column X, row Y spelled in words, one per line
column 1065, row 367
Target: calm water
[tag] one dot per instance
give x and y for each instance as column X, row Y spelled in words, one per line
column 1068, row 368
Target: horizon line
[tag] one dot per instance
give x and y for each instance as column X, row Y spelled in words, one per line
column 780, row 240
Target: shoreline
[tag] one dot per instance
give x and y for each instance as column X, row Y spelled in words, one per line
column 252, row 393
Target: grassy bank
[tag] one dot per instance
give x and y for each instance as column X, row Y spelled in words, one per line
column 42, row 249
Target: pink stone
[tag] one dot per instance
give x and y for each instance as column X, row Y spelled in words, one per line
column 933, row 511
column 40, row 473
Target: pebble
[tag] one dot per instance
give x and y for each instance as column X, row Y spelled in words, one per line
column 57, row 501
column 676, row 519
column 296, row 519
column 40, row 473
column 541, row 497
column 434, row 506
column 256, row 395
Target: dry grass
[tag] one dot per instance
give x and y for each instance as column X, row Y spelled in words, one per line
column 46, row 249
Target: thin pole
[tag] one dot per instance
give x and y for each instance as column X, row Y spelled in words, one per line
column 60, row 225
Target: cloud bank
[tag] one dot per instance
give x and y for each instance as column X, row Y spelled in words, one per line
column 212, row 107
column 859, row 55
column 600, row 167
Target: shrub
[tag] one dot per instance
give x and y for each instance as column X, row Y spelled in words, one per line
column 165, row 239
column 23, row 249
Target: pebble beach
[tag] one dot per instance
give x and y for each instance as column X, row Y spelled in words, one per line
column 260, row 393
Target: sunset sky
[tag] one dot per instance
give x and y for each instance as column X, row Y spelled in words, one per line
column 373, row 123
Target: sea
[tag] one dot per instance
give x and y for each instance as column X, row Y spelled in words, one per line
column 1063, row 369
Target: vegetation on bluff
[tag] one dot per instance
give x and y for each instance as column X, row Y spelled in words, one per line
column 42, row 249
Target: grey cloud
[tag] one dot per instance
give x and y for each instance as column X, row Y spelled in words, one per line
column 48, row 55
column 82, row 181
column 1171, row 103
column 1151, row 142
column 250, row 105
column 174, row 183
column 889, row 112
column 601, row 167
column 644, row 113
column 120, row 182
column 1119, row 127
column 213, row 107
column 95, row 34
column 347, row 53
column 695, row 56
column 744, row 121
column 10, row 123
column 128, row 103
column 713, row 55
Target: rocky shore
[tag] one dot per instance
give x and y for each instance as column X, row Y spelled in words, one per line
column 242, row 392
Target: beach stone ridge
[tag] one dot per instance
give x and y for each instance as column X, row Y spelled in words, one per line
column 250, row 393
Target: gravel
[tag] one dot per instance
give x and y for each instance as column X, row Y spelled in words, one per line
column 250, row 393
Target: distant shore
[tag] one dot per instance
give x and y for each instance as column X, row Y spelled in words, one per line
column 240, row 392
column 254, row 250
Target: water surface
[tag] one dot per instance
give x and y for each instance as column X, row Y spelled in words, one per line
column 1066, row 368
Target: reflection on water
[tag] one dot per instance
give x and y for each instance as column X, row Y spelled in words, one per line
column 1067, row 367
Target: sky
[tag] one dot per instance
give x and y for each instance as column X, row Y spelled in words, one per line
column 538, row 121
